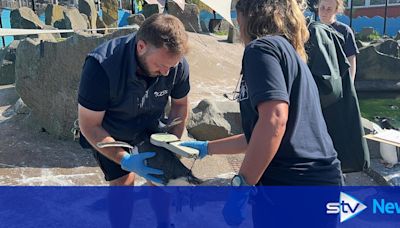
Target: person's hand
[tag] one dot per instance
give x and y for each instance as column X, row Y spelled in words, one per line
column 136, row 163
column 201, row 146
column 234, row 211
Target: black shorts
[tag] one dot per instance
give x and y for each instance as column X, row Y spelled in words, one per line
column 110, row 169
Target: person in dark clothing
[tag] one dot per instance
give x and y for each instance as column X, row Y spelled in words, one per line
column 285, row 138
column 124, row 88
column 327, row 10
column 279, row 104
column 330, row 68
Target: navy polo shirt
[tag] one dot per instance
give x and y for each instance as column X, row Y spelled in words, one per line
column 350, row 47
column 272, row 70
column 133, row 103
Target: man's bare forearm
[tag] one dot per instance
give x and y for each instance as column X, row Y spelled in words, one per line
column 181, row 111
column 95, row 135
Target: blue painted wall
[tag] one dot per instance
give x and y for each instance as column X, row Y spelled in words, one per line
column 5, row 19
column 392, row 26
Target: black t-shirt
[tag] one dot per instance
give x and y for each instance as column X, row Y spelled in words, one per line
column 272, row 70
column 133, row 103
column 94, row 89
column 350, row 47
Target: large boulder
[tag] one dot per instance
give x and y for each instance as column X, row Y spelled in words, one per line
column 377, row 71
column 137, row 19
column 101, row 25
column 218, row 26
column 110, row 12
column 7, row 63
column 361, row 44
column 397, row 37
column 53, row 13
column 48, row 82
column 214, row 120
column 150, row 9
column 389, row 47
column 86, row 19
column 72, row 20
column 234, row 33
column 88, row 8
column 189, row 17
column 25, row 18
column 7, row 72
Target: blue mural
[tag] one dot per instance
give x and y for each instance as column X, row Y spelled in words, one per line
column 206, row 16
column 5, row 23
column 392, row 24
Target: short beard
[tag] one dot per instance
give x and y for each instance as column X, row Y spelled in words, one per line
column 143, row 65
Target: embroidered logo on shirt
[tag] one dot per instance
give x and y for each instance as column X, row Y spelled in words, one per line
column 160, row 93
column 243, row 94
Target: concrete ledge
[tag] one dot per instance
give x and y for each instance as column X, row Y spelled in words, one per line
column 384, row 176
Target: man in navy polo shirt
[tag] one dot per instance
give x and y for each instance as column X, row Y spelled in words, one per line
column 125, row 86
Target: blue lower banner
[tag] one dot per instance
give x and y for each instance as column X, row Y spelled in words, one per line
column 199, row 207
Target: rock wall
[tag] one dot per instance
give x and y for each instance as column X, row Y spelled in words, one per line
column 47, row 79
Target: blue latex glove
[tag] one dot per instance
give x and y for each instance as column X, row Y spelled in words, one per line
column 235, row 207
column 201, row 146
column 136, row 163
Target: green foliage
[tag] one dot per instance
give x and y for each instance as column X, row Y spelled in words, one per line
column 221, row 33
column 381, row 107
column 371, row 37
column 60, row 39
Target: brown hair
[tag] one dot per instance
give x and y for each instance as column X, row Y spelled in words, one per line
column 275, row 17
column 162, row 30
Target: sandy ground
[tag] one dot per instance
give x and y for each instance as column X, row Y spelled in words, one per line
column 30, row 157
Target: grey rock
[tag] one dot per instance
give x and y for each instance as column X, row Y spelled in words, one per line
column 377, row 71
column 86, row 19
column 189, row 17
column 110, row 12
column 234, row 33
column 101, row 25
column 72, row 20
column 21, row 108
column 214, row 120
column 218, row 25
column 137, row 19
column 25, row 18
column 49, row 88
column 8, row 96
column 7, row 63
column 361, row 44
column 88, row 8
column 389, row 47
column 150, row 9
column 384, row 175
column 8, row 52
column 53, row 13
column 7, row 72
column 397, row 37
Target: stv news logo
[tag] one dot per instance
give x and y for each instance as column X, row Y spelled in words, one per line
column 347, row 207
